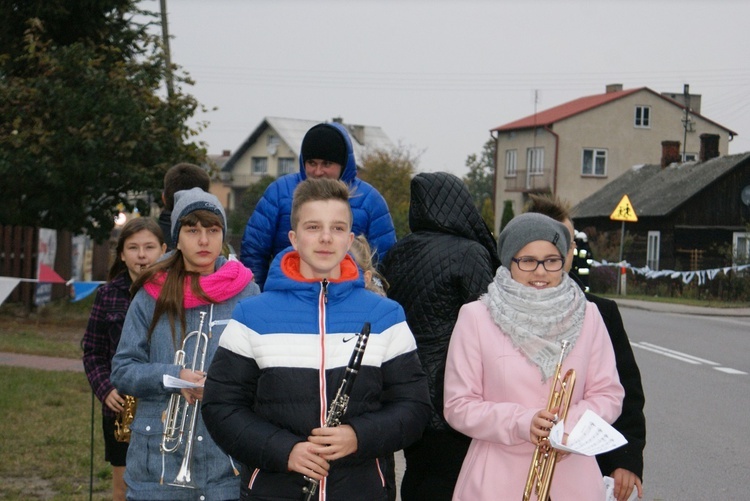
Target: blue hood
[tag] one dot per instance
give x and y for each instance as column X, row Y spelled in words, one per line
column 349, row 172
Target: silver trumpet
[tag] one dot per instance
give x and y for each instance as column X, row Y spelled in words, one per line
column 179, row 410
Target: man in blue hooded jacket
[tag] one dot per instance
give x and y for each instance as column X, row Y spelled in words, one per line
column 326, row 152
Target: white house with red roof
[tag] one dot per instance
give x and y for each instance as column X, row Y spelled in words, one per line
column 576, row 148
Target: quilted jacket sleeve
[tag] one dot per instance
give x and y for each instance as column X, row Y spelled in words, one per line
column 227, row 411
column 380, row 231
column 405, row 411
column 477, row 272
column 256, row 251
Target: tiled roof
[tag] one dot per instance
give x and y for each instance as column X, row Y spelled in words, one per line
column 655, row 191
column 566, row 110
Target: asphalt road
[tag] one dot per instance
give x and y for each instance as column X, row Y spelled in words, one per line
column 696, row 378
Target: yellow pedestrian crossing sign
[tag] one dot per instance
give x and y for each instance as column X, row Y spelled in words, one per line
column 624, row 211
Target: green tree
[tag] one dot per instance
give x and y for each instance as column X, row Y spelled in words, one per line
column 86, row 125
column 237, row 218
column 390, row 172
column 507, row 214
column 481, row 180
column 488, row 214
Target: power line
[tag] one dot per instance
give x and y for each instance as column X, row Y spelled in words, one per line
column 454, row 81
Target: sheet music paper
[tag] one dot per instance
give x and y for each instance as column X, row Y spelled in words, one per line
column 609, row 490
column 175, row 382
column 591, row 436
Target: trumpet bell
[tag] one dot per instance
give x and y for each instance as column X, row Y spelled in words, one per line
column 184, row 478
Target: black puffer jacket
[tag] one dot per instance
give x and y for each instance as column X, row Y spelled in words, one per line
column 448, row 260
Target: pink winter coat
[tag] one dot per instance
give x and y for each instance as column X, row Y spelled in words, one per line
column 492, row 392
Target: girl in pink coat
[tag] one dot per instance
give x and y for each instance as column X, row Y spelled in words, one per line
column 502, row 356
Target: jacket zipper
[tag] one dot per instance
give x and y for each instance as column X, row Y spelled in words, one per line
column 324, row 284
column 322, row 369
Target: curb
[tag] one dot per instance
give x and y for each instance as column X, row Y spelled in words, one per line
column 681, row 309
column 40, row 362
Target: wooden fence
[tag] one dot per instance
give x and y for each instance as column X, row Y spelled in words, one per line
column 19, row 254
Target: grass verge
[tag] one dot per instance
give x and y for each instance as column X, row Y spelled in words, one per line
column 45, row 439
column 54, row 330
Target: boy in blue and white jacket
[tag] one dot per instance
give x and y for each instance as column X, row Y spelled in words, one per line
column 284, row 353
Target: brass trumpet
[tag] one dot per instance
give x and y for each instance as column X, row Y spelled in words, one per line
column 179, row 409
column 545, row 456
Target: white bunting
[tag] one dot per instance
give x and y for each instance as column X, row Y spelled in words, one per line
column 7, row 284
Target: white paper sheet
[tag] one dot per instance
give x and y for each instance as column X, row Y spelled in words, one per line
column 174, row 382
column 590, row 436
column 609, row 490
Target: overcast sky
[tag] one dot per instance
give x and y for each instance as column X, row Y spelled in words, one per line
column 438, row 75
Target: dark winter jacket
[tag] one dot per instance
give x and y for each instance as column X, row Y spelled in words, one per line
column 289, row 346
column 632, row 421
column 448, row 260
column 267, row 230
column 165, row 223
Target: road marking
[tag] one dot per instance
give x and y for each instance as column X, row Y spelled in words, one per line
column 679, row 354
column 729, row 370
column 684, row 357
column 645, row 346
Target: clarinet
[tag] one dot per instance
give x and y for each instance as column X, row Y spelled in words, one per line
column 341, row 401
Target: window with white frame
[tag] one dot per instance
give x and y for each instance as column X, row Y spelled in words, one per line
column 643, row 116
column 286, row 165
column 535, row 161
column 652, row 250
column 741, row 247
column 511, row 159
column 594, row 162
column 272, row 144
column 260, row 166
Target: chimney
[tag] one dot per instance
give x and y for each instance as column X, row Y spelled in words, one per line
column 613, row 88
column 709, row 147
column 670, row 153
column 357, row 132
column 338, row 120
column 226, row 153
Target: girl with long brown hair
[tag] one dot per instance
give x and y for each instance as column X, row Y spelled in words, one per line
column 193, row 282
column 139, row 245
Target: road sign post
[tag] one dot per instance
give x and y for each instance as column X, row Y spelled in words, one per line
column 624, row 212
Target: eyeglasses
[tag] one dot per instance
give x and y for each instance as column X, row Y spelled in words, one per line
column 531, row 264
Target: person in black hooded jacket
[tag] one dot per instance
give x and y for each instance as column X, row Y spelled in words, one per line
column 447, row 260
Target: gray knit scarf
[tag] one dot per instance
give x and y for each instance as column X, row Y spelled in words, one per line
column 536, row 320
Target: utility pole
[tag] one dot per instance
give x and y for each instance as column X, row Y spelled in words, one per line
column 165, row 41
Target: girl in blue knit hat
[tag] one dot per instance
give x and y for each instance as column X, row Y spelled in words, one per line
column 192, row 290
